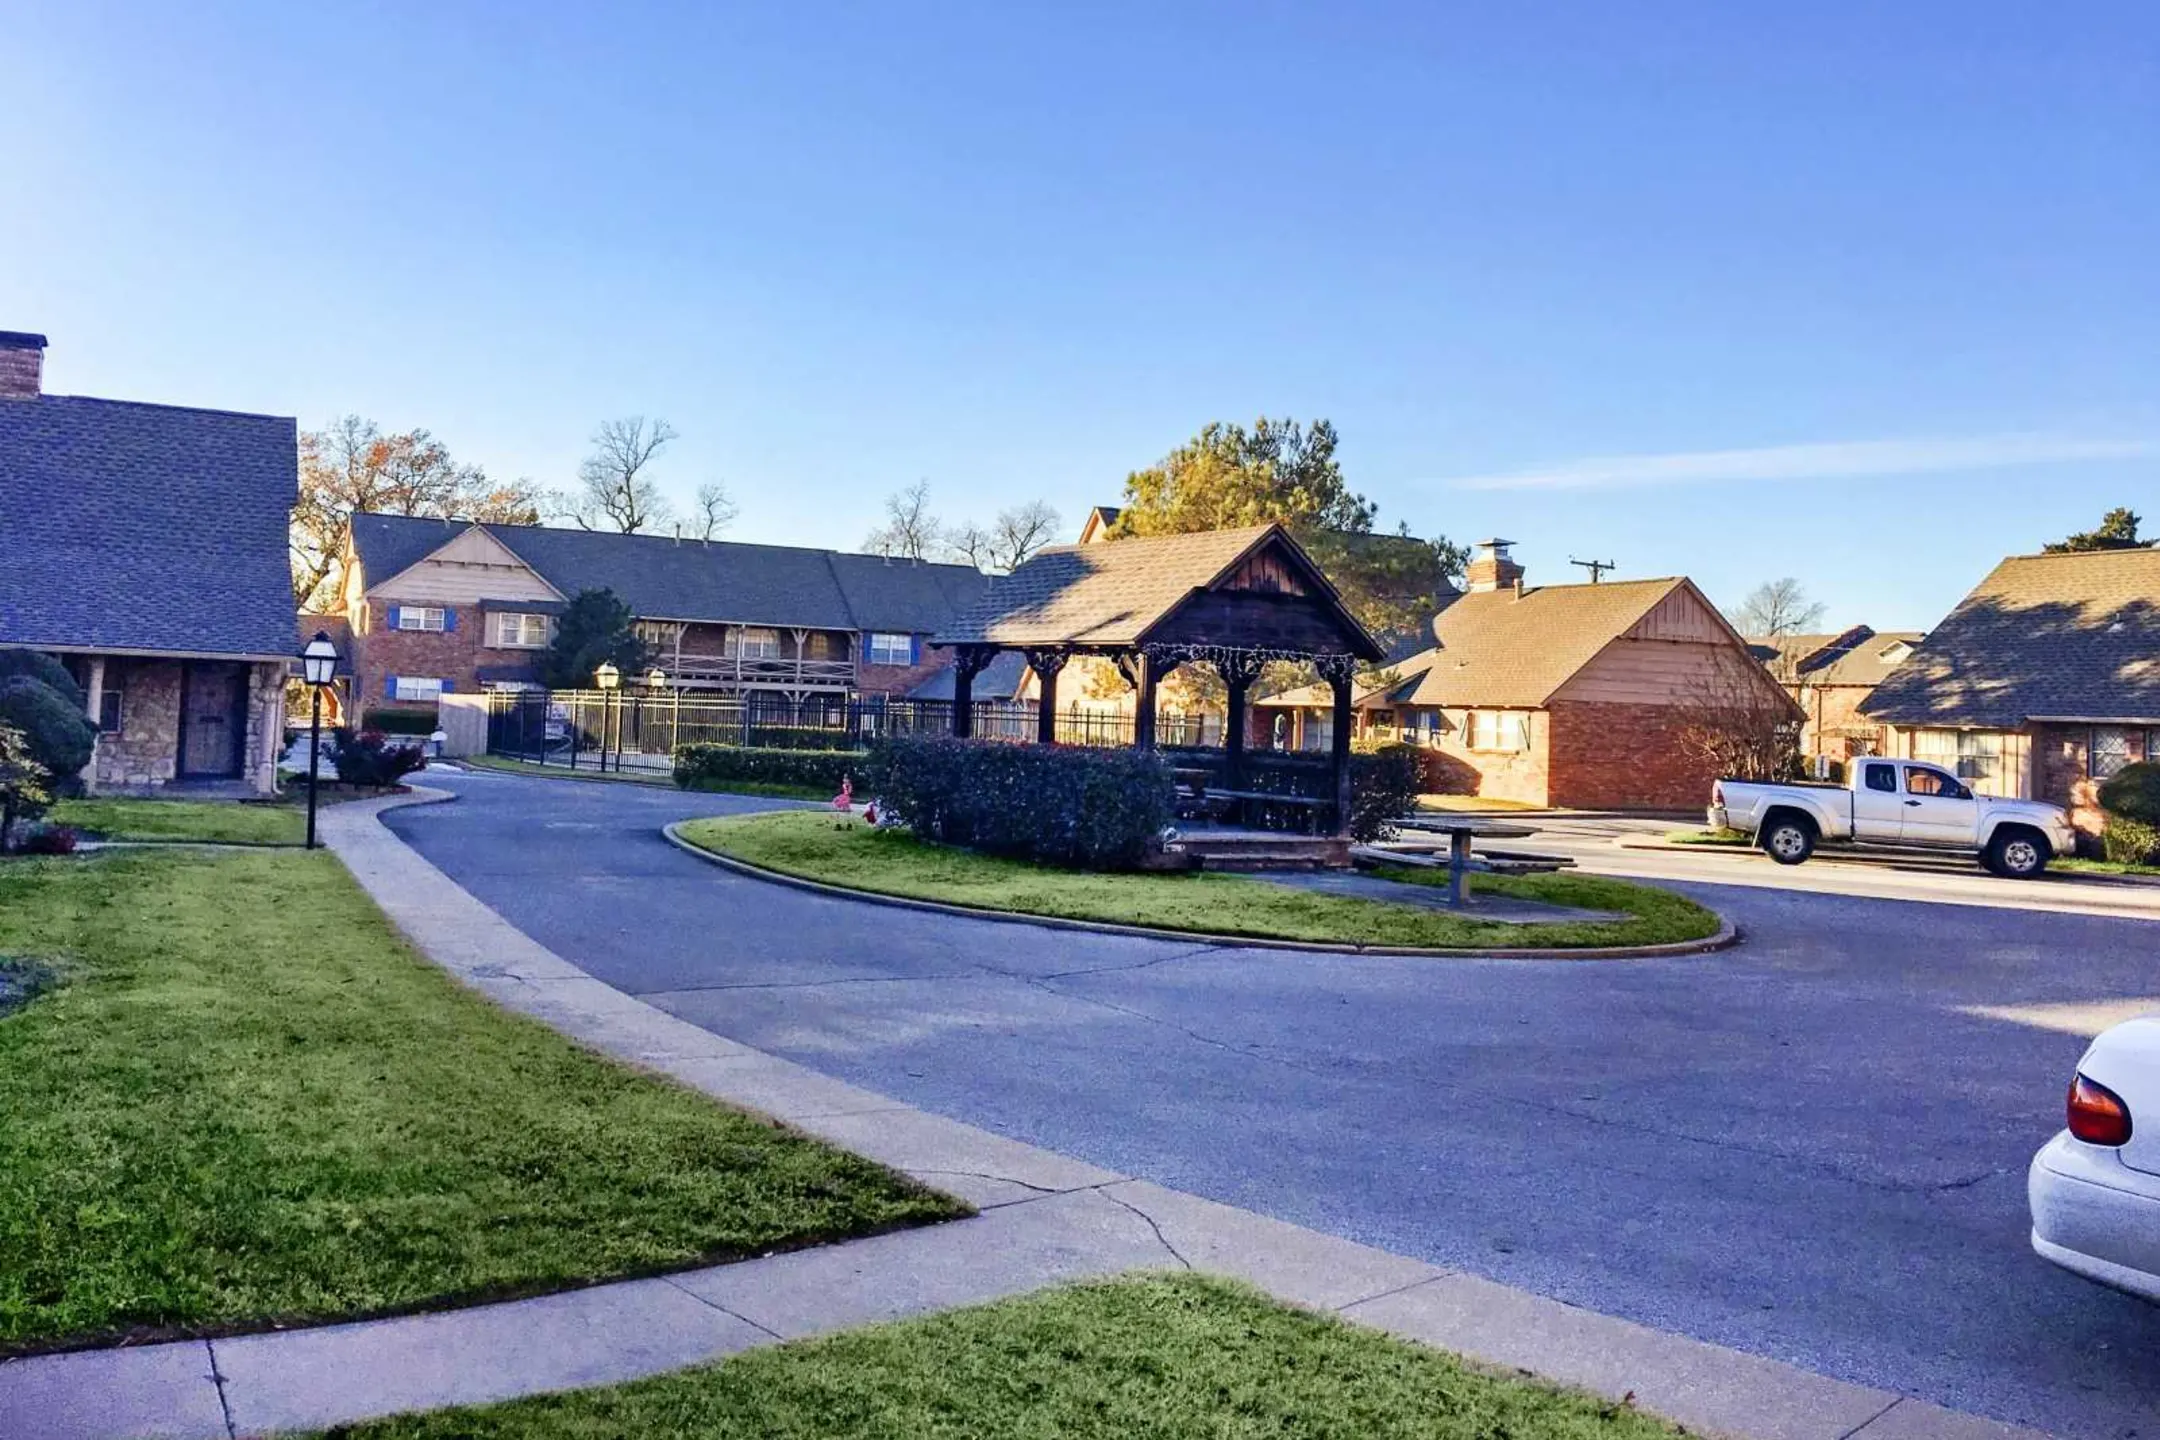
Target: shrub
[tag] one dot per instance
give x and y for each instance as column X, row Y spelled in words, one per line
column 2130, row 842
column 369, row 759
column 701, row 767
column 401, row 722
column 1385, row 781
column 48, row 840
column 2133, row 792
column 23, row 792
column 37, row 665
column 1096, row 808
column 801, row 737
column 61, row 738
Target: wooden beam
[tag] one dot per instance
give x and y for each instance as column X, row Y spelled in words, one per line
column 1234, row 730
column 1046, row 664
column 1339, row 747
column 1144, row 676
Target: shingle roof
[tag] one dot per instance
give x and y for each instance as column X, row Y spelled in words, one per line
column 2042, row 637
column 126, row 526
column 1866, row 662
column 662, row 578
column 1498, row 648
column 998, row 680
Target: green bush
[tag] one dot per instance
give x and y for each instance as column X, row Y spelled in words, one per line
column 59, row 735
column 37, row 665
column 801, row 737
column 701, row 767
column 2133, row 792
column 23, row 792
column 369, row 759
column 1385, row 781
column 2130, row 842
column 1099, row 809
column 401, row 722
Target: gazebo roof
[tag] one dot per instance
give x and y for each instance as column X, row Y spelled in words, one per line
column 1119, row 594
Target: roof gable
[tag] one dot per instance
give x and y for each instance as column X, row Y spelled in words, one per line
column 2072, row 636
column 1124, row 593
column 148, row 528
column 1512, row 651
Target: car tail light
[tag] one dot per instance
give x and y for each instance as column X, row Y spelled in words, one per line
column 2097, row 1114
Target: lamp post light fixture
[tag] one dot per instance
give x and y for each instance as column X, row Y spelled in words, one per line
column 609, row 679
column 318, row 664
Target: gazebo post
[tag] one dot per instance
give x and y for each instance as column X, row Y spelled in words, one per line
column 1143, row 726
column 968, row 662
column 1339, row 746
column 1238, row 673
column 1046, row 664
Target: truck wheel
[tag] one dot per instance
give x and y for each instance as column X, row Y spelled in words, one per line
column 2016, row 853
column 1788, row 839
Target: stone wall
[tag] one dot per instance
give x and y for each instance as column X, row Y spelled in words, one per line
column 265, row 726
column 146, row 751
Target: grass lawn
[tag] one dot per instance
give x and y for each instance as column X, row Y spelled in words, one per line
column 2076, row 865
column 248, row 1103
column 1729, row 839
column 229, row 822
column 847, row 852
column 1164, row 1357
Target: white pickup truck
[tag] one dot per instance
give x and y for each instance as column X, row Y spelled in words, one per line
column 1895, row 802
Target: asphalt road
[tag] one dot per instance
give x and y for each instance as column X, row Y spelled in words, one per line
column 1812, row 1147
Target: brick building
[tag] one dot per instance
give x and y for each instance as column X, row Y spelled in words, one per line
column 1830, row 677
column 2042, row 683
column 1562, row 695
column 145, row 545
column 442, row 606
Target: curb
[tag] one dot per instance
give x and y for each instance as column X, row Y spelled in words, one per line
column 1876, row 858
column 1726, row 937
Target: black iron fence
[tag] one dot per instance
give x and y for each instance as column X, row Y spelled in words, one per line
column 644, row 728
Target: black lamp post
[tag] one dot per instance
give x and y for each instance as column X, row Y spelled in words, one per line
column 318, row 663
column 607, row 677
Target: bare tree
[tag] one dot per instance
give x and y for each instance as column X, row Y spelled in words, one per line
column 716, row 510
column 910, row 531
column 1776, row 608
column 352, row 465
column 970, row 544
column 614, row 491
column 1736, row 720
column 1019, row 532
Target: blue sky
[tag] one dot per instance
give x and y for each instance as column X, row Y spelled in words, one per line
column 1864, row 294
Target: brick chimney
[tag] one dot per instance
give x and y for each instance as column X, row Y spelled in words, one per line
column 1491, row 569
column 22, row 365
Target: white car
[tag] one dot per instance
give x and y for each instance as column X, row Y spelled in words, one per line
column 2095, row 1188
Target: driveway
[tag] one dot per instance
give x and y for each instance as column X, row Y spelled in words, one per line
column 1811, row 1147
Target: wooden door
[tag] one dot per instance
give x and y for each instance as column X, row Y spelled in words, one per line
column 213, row 720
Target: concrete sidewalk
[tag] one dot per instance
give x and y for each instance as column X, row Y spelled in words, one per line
column 1044, row 1218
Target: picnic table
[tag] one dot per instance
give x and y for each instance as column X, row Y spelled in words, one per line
column 1195, row 792
column 1462, row 832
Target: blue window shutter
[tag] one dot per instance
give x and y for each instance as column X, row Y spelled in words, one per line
column 914, row 649
column 449, row 623
column 390, row 688
column 393, row 617
column 447, row 687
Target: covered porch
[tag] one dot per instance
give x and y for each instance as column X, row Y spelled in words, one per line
column 1231, row 601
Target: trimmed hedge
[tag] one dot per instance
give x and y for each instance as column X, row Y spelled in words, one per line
column 401, row 722
column 1098, row 809
column 60, row 736
column 1385, row 781
column 2131, row 798
column 716, row 766
column 37, row 665
column 801, row 737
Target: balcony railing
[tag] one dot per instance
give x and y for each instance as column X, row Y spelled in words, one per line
column 787, row 672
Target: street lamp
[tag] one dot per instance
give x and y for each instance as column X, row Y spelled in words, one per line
column 607, row 677
column 656, row 679
column 318, row 663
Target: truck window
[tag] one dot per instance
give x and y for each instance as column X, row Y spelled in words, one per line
column 1882, row 777
column 1934, row 782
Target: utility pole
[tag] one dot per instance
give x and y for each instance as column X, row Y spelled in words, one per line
column 1597, row 568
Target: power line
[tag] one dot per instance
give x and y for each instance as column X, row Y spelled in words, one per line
column 1597, row 568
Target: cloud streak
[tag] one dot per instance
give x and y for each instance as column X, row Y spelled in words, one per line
column 1833, row 460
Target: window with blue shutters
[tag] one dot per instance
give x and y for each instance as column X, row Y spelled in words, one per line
column 891, row 649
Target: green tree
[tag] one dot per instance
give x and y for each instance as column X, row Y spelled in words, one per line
column 1228, row 476
column 2117, row 530
column 596, row 627
column 60, row 737
column 23, row 795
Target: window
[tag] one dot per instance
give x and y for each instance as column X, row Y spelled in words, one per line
column 2110, row 751
column 1499, row 730
column 1883, row 778
column 518, row 631
column 888, row 649
column 1920, row 781
column 109, row 709
column 754, row 644
column 415, row 687
column 419, row 617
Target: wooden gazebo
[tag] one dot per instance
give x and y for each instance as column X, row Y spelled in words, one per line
column 1234, row 600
